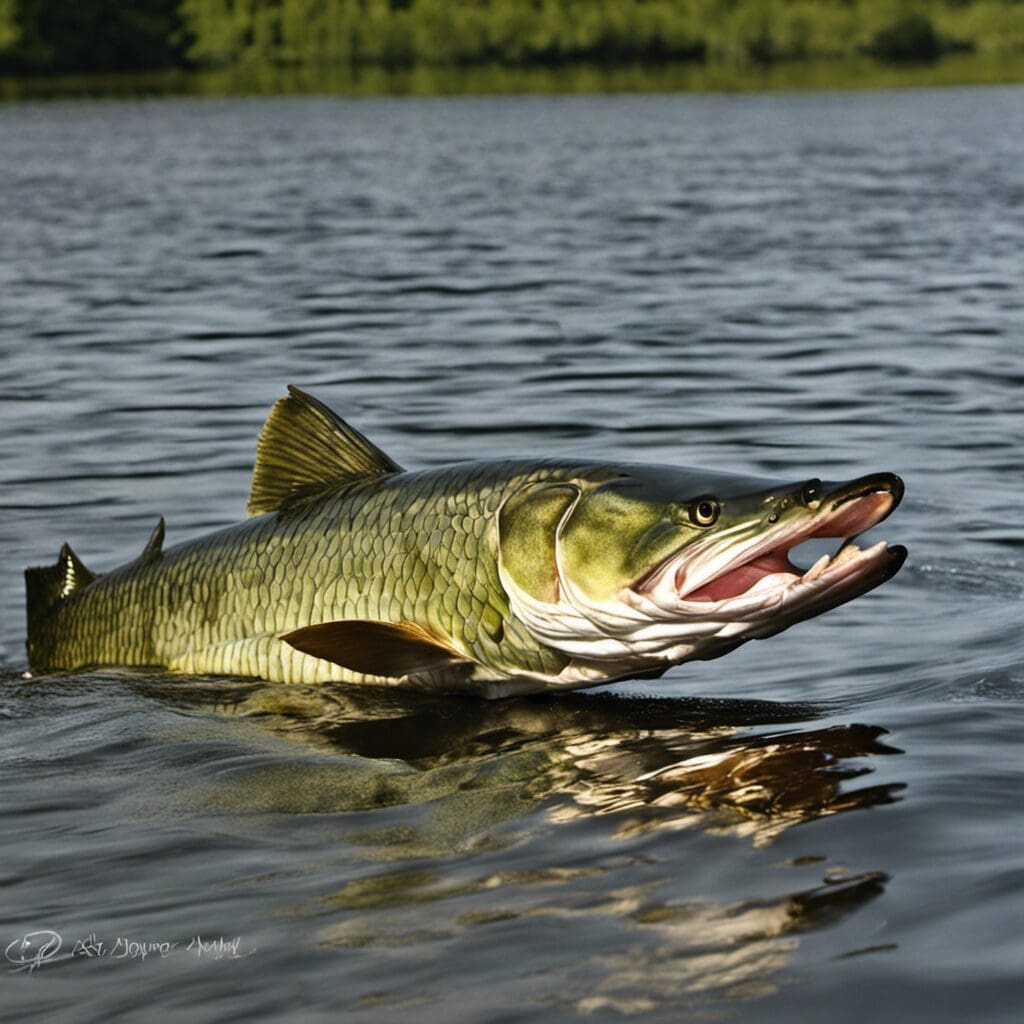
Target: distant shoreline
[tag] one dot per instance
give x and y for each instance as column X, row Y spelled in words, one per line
column 567, row 79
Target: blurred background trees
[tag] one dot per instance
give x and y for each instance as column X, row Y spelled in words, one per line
column 105, row 35
column 92, row 35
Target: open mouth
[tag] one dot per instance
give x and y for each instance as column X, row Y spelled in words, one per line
column 765, row 566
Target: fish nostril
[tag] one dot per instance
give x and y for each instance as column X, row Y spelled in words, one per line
column 811, row 493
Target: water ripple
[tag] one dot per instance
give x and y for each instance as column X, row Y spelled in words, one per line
column 789, row 285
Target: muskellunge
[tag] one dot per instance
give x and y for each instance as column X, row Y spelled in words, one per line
column 492, row 578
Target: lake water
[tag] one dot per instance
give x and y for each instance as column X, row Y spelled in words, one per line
column 827, row 823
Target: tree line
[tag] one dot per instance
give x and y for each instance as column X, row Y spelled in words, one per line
column 51, row 36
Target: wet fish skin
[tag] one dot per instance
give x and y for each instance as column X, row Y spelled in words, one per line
column 492, row 578
column 412, row 547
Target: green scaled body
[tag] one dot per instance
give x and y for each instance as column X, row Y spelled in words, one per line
column 491, row 578
column 414, row 547
column 375, row 544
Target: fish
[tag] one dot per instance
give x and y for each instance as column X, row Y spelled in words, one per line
column 490, row 578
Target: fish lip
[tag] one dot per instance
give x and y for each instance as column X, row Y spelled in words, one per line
column 825, row 517
column 874, row 483
column 897, row 556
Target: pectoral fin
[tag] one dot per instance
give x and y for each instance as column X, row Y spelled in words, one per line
column 392, row 649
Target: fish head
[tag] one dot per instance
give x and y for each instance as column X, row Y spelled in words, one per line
column 650, row 566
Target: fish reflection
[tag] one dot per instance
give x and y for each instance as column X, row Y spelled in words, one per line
column 529, row 843
column 702, row 948
column 768, row 781
column 733, row 765
column 668, row 952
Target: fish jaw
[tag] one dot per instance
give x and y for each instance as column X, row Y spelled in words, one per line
column 747, row 583
column 719, row 590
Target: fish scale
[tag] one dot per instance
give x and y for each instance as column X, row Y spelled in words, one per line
column 216, row 605
column 487, row 577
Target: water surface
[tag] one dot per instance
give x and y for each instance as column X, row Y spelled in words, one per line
column 829, row 820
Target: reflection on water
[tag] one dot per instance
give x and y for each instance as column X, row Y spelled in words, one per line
column 607, row 840
column 735, row 950
column 652, row 762
column 677, row 948
column 484, row 779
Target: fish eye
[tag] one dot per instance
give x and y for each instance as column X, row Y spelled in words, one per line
column 704, row 512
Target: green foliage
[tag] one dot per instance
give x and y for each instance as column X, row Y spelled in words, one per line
column 65, row 35
column 10, row 32
column 988, row 26
column 91, row 35
column 911, row 37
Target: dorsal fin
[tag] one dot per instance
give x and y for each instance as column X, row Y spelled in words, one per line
column 303, row 449
column 154, row 548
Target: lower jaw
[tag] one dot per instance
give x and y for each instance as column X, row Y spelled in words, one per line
column 774, row 573
column 793, row 596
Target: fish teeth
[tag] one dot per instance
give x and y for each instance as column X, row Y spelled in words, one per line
column 817, row 569
column 847, row 553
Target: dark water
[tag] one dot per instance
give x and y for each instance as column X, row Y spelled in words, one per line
column 829, row 822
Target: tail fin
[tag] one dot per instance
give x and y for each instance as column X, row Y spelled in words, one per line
column 47, row 586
